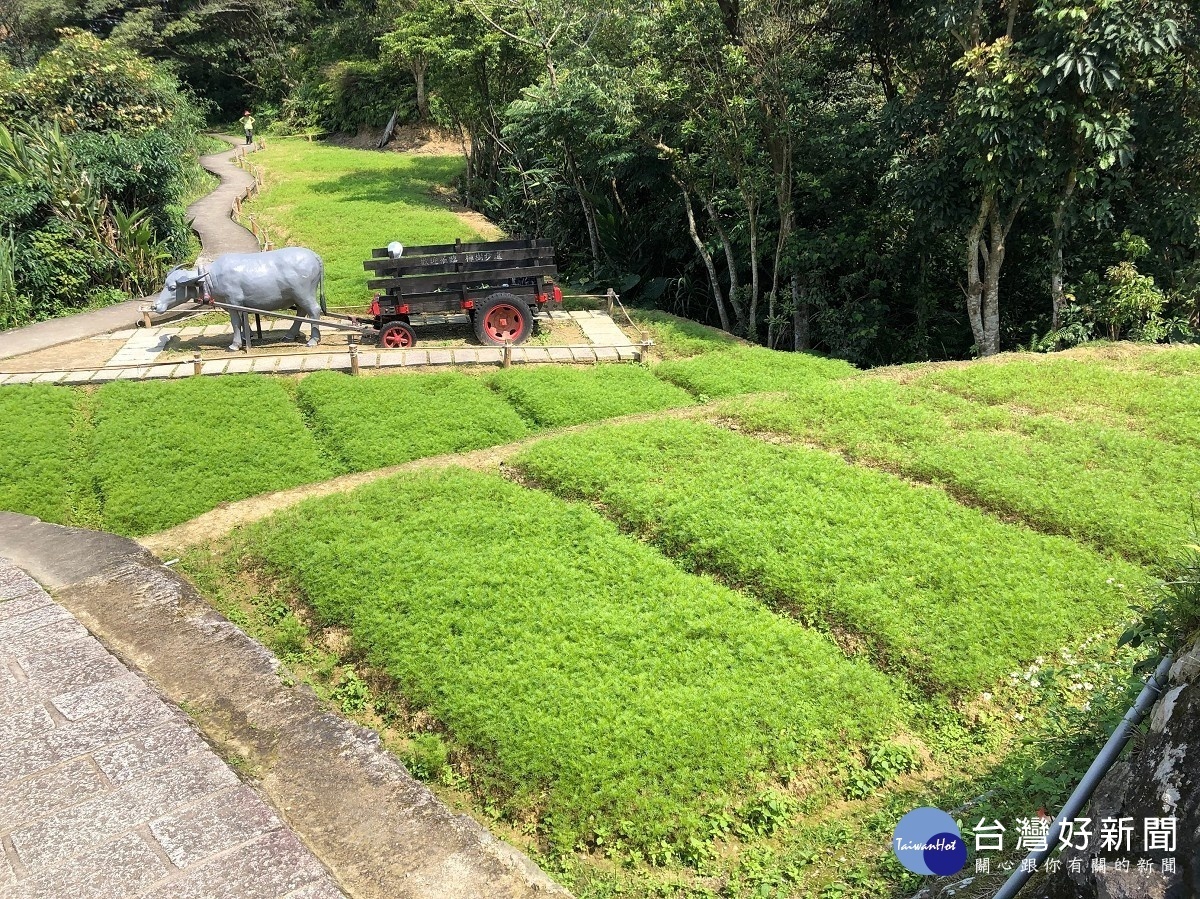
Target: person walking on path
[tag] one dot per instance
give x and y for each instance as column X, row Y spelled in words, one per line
column 248, row 124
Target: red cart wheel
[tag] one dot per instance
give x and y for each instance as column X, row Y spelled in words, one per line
column 397, row 336
column 501, row 317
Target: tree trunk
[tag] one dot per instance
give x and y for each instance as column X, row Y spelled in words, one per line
column 752, row 221
column 1058, row 297
column 589, row 214
column 983, row 291
column 991, row 290
column 704, row 254
column 418, row 70
column 800, row 334
column 735, row 289
column 975, row 249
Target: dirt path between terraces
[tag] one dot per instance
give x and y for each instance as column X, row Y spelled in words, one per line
column 214, row 525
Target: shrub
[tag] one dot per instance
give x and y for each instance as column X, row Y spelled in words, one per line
column 553, row 397
column 375, row 422
column 951, row 596
column 588, row 676
column 168, row 451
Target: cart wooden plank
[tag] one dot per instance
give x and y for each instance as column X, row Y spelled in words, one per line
column 424, row 265
column 467, row 280
column 486, row 246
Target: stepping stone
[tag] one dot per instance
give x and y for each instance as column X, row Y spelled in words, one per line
column 24, row 377
column 628, row 354
column 490, row 354
column 583, row 354
column 131, row 374
column 78, row 377
column 160, row 371
column 415, row 357
column 264, row 363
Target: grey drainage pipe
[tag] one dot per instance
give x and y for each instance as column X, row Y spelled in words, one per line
column 1092, row 778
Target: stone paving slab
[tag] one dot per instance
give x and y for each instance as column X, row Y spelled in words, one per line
column 106, row 791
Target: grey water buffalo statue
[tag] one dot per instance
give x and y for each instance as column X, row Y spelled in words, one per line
column 292, row 277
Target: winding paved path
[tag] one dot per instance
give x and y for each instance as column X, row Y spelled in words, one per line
column 218, row 234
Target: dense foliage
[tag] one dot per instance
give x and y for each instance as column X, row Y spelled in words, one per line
column 166, row 451
column 371, row 423
column 612, row 696
column 835, row 176
column 95, row 160
column 898, row 570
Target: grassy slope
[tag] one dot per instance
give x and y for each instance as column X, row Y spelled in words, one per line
column 344, row 203
column 36, row 470
column 557, row 397
column 1159, row 405
column 375, row 422
column 168, row 451
column 1115, row 488
column 944, row 592
column 747, row 369
column 596, row 681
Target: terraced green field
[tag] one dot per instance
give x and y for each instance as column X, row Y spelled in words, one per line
column 164, row 452
column 750, row 654
column 1113, row 487
column 37, row 473
column 750, row 369
column 370, row 423
column 848, row 549
column 587, row 674
column 1158, row 405
column 557, row 397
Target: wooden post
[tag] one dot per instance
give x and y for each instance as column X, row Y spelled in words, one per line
column 237, row 205
column 146, row 323
column 645, row 354
column 609, row 301
column 506, row 354
column 196, row 363
column 353, row 356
